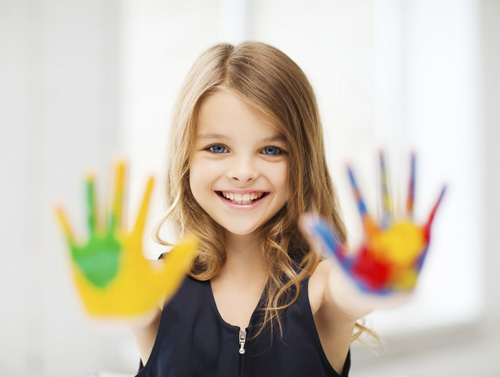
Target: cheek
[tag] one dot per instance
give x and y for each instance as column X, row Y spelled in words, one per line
column 201, row 175
column 281, row 179
column 195, row 177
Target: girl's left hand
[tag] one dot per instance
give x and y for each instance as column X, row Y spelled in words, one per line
column 388, row 263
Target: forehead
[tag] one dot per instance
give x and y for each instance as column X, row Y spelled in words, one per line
column 224, row 113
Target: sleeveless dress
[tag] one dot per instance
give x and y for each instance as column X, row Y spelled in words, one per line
column 193, row 340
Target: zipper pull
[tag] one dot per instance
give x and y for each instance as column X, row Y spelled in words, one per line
column 243, row 338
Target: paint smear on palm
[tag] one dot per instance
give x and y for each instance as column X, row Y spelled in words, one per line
column 138, row 286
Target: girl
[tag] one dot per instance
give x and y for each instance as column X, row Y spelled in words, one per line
column 246, row 161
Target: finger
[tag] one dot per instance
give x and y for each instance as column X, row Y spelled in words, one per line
column 115, row 219
column 64, row 224
column 410, row 200
column 421, row 259
column 91, row 204
column 386, row 197
column 357, row 194
column 141, row 217
column 428, row 225
column 178, row 262
column 316, row 229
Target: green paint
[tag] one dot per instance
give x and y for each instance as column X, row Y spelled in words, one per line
column 91, row 205
column 98, row 259
column 112, row 223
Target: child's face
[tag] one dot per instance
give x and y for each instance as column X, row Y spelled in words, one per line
column 239, row 165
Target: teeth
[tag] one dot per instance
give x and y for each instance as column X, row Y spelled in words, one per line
column 246, row 198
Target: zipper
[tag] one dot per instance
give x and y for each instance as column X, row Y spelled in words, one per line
column 242, row 339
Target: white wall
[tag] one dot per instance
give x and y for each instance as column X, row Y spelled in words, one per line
column 58, row 114
column 490, row 84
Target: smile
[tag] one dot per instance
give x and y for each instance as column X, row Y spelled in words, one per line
column 242, row 199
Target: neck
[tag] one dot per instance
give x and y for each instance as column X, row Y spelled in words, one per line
column 245, row 261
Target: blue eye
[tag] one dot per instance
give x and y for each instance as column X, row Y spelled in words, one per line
column 272, row 151
column 217, row 149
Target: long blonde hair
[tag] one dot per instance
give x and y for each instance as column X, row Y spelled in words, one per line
column 272, row 83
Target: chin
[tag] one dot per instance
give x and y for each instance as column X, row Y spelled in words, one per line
column 240, row 231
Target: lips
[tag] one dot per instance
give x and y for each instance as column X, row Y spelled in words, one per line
column 242, row 198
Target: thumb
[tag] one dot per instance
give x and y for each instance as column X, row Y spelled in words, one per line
column 178, row 263
column 321, row 236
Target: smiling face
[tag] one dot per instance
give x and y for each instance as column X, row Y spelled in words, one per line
column 239, row 164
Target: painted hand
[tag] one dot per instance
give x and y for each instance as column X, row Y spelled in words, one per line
column 111, row 274
column 393, row 251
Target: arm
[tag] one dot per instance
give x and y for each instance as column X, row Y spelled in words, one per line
column 144, row 333
column 145, row 330
column 381, row 274
column 335, row 327
column 112, row 276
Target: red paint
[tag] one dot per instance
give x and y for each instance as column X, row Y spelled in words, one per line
column 374, row 273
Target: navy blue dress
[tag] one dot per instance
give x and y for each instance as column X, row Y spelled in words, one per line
column 193, row 340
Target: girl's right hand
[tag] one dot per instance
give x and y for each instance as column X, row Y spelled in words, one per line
column 112, row 276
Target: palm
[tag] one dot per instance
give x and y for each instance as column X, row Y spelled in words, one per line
column 393, row 250
column 112, row 275
column 98, row 259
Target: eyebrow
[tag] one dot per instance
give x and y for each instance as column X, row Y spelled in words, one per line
column 224, row 137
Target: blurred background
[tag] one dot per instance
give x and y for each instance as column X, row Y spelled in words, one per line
column 85, row 81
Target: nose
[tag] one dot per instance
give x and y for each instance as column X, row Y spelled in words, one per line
column 242, row 170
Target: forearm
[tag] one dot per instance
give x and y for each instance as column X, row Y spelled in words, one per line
column 144, row 333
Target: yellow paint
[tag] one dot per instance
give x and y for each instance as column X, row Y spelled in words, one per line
column 139, row 286
column 400, row 244
column 64, row 224
column 117, row 211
